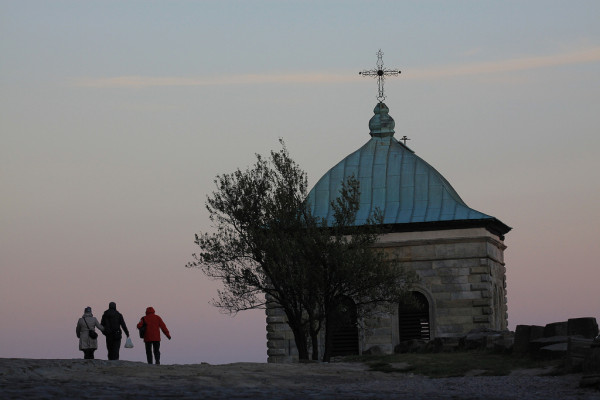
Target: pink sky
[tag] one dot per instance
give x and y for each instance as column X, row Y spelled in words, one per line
column 115, row 118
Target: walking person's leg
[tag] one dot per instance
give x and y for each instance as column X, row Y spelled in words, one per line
column 108, row 343
column 156, row 352
column 148, row 351
column 113, row 344
column 116, row 348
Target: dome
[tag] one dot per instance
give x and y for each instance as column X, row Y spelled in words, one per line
column 409, row 192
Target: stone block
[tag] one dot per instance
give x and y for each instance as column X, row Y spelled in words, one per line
column 524, row 334
column 556, row 329
column 480, row 270
column 454, row 279
column 453, row 320
column 586, row 327
column 480, row 286
column 374, row 351
column 276, row 344
column 536, row 344
column 591, row 361
column 577, row 350
column 452, row 287
column 441, row 296
column 276, row 319
column 423, row 252
column 458, row 303
column 381, row 322
column 382, row 332
column 410, row 346
column 459, row 311
column 379, row 340
column 426, row 272
column 482, row 303
column 276, row 352
column 552, row 352
column 453, row 330
column 451, row 270
column 481, row 318
column 420, row 265
column 280, row 328
column 276, row 335
column 465, row 295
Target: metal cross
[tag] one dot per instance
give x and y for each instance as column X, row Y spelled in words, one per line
column 404, row 138
column 380, row 73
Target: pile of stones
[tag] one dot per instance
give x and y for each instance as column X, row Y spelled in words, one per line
column 575, row 341
column 477, row 339
column 571, row 340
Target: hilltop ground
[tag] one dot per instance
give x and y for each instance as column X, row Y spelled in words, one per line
column 101, row 379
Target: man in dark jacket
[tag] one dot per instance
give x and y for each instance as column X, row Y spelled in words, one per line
column 113, row 321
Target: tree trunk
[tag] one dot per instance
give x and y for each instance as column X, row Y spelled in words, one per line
column 299, row 337
column 329, row 326
column 314, row 337
column 301, row 344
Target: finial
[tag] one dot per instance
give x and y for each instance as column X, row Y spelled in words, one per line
column 404, row 139
column 381, row 124
column 380, row 73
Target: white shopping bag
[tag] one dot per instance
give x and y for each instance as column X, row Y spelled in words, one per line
column 128, row 343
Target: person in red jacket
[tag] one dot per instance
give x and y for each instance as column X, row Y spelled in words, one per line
column 153, row 323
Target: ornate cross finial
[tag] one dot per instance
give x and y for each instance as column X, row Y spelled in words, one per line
column 380, row 73
column 404, row 138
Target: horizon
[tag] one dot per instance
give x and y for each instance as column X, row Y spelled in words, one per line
column 117, row 115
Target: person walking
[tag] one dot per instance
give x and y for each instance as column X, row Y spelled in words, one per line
column 87, row 334
column 154, row 324
column 113, row 321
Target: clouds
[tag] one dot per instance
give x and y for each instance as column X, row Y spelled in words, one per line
column 516, row 64
column 591, row 54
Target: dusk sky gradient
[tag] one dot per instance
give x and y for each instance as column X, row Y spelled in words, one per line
column 115, row 117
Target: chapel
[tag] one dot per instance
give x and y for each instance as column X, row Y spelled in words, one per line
column 457, row 252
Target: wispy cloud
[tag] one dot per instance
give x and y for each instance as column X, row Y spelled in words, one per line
column 517, row 64
column 249, row 79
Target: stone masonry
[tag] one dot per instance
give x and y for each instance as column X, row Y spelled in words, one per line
column 462, row 275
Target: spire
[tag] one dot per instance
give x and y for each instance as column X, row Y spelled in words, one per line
column 381, row 124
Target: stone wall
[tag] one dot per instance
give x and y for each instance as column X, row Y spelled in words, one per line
column 462, row 276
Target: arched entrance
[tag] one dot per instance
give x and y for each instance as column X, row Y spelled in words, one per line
column 413, row 318
column 344, row 340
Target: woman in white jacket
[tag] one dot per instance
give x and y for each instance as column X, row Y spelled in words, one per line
column 86, row 324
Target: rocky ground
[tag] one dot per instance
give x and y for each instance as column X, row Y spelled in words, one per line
column 101, row 379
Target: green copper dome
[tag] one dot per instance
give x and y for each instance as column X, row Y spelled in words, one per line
column 406, row 189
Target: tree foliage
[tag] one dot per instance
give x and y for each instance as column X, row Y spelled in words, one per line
column 266, row 245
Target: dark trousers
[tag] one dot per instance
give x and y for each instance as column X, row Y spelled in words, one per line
column 88, row 354
column 153, row 347
column 113, row 343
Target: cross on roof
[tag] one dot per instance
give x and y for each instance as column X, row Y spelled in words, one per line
column 380, row 73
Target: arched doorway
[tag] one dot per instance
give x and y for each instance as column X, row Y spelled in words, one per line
column 344, row 340
column 413, row 318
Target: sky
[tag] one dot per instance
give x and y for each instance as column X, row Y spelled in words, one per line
column 116, row 116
